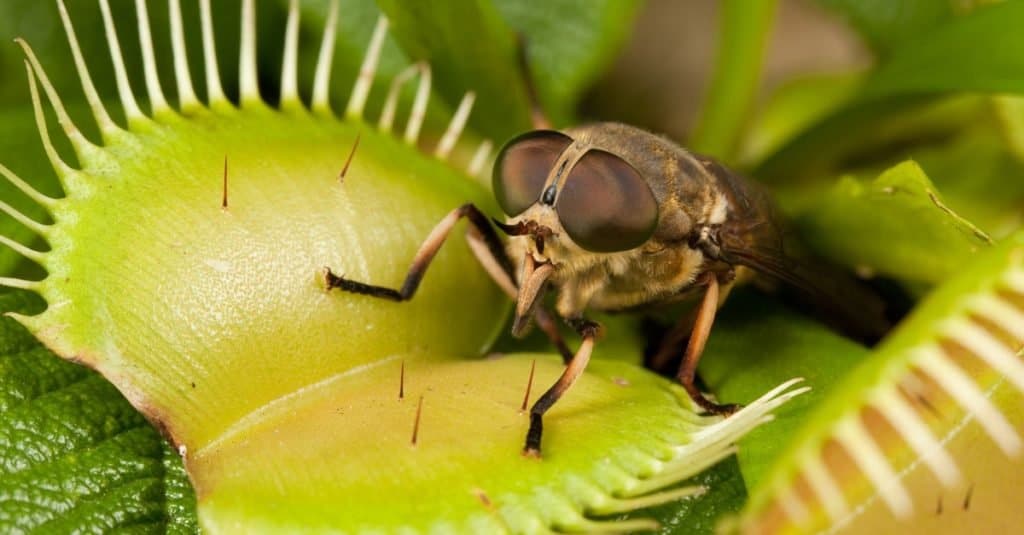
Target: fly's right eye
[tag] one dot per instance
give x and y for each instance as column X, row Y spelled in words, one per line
column 606, row 205
column 523, row 166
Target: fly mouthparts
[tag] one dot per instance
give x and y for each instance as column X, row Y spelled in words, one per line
column 520, row 326
column 512, row 230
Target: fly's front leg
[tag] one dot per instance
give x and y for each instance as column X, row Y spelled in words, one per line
column 426, row 253
column 695, row 348
column 588, row 331
column 489, row 251
column 545, row 320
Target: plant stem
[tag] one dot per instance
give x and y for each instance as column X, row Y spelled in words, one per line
column 743, row 30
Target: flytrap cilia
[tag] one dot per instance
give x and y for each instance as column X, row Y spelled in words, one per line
column 611, row 218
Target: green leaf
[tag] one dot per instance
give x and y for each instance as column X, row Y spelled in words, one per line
column 745, row 27
column 885, row 24
column 726, row 494
column 858, row 134
column 978, row 52
column 758, row 343
column 1009, row 112
column 895, row 226
column 792, row 109
column 569, row 43
column 980, row 178
column 470, row 48
column 74, row 455
column 982, row 51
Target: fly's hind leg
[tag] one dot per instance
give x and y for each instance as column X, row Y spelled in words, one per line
column 695, row 347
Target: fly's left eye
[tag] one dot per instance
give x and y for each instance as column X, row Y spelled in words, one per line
column 523, row 167
column 606, row 205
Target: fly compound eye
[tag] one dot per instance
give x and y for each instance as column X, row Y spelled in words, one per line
column 605, row 205
column 523, row 166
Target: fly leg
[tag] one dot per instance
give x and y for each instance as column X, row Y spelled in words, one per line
column 543, row 317
column 486, row 246
column 426, row 253
column 698, row 338
column 667, row 355
column 588, row 331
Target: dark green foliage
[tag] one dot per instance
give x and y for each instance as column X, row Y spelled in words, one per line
column 74, row 455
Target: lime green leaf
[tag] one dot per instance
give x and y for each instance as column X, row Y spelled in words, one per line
column 470, row 48
column 1009, row 111
column 896, row 226
column 755, row 343
column 74, row 455
column 620, row 432
column 980, row 177
column 253, row 245
column 744, row 31
column 885, row 24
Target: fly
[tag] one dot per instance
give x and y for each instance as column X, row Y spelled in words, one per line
column 612, row 217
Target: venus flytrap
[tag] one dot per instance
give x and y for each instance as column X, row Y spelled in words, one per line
column 185, row 264
column 943, row 364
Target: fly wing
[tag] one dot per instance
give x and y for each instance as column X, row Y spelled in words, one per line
column 754, row 237
column 853, row 307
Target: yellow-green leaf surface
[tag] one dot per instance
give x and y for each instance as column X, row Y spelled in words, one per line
column 347, row 449
column 189, row 297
